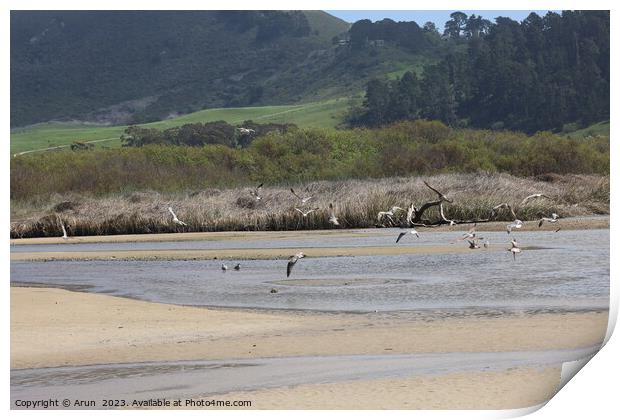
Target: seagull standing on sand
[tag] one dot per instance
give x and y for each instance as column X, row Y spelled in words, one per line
column 256, row 192
column 332, row 216
column 175, row 219
column 552, row 219
column 303, row 200
column 514, row 248
column 517, row 224
column 307, row 212
column 292, row 260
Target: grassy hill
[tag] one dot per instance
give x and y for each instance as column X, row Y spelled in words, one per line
column 124, row 67
column 598, row 129
column 323, row 114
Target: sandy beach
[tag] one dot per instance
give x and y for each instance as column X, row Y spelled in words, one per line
column 54, row 327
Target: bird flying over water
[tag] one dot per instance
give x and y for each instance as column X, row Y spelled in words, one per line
column 473, row 244
column 471, row 234
column 411, row 231
column 514, row 248
column 175, row 219
column 292, row 260
column 303, row 200
column 552, row 219
column 332, row 216
column 517, row 224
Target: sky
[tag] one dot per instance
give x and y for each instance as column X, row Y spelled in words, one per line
column 439, row 17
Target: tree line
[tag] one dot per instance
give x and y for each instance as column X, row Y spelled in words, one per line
column 200, row 134
column 539, row 74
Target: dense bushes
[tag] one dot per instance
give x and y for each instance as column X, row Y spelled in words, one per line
column 408, row 148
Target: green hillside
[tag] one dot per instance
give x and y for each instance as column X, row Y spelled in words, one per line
column 324, row 114
column 128, row 67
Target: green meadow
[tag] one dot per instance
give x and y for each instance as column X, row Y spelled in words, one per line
column 323, row 114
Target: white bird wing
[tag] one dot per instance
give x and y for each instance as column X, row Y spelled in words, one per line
column 172, row 212
column 64, row 231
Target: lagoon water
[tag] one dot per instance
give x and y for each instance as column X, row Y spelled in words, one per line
column 567, row 270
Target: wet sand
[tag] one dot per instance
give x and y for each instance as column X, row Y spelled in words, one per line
column 54, row 327
column 512, row 388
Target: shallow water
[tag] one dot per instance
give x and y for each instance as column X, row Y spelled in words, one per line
column 567, row 270
column 204, row 378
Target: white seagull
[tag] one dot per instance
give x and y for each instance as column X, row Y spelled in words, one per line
column 244, row 130
column 303, row 200
column 307, row 212
column 552, row 219
column 412, row 231
column 471, row 234
column 64, row 231
column 514, row 248
column 256, row 191
column 292, row 260
column 224, row 267
column 531, row 197
column 517, row 224
column 332, row 216
column 175, row 219
column 388, row 213
column 411, row 211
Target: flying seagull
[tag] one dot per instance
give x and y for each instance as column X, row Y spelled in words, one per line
column 473, row 244
column 412, row 231
column 303, row 200
column 531, row 197
column 175, row 219
column 471, row 234
column 514, row 248
column 332, row 216
column 552, row 219
column 388, row 213
column 307, row 212
column 256, row 191
column 517, row 224
column 440, row 195
column 291, row 262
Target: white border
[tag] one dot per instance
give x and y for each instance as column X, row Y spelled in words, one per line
column 592, row 394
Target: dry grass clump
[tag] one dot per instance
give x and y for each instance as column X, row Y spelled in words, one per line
column 356, row 203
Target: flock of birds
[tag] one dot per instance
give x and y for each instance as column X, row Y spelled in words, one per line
column 471, row 236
